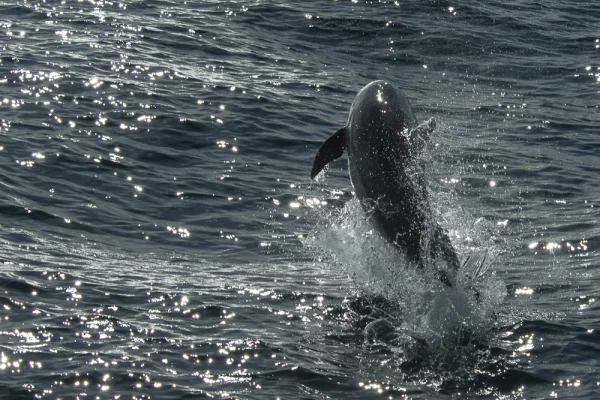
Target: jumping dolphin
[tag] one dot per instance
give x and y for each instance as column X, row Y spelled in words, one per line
column 383, row 140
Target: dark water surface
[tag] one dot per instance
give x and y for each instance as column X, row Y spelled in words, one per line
column 160, row 236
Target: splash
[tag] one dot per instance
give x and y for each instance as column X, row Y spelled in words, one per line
column 414, row 308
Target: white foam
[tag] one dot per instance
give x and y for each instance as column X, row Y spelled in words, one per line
column 428, row 309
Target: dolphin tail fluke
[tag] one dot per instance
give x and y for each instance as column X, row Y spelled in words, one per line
column 332, row 149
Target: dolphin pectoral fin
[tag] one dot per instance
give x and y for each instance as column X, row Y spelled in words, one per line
column 420, row 135
column 332, row 149
column 475, row 265
column 424, row 130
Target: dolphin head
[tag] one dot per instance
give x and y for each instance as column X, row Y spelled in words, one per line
column 381, row 133
column 380, row 121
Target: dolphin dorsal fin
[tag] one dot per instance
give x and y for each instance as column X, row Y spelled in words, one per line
column 332, row 149
column 420, row 135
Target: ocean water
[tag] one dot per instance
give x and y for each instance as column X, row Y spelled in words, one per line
column 161, row 237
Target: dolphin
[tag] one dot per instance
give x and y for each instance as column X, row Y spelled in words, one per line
column 383, row 140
